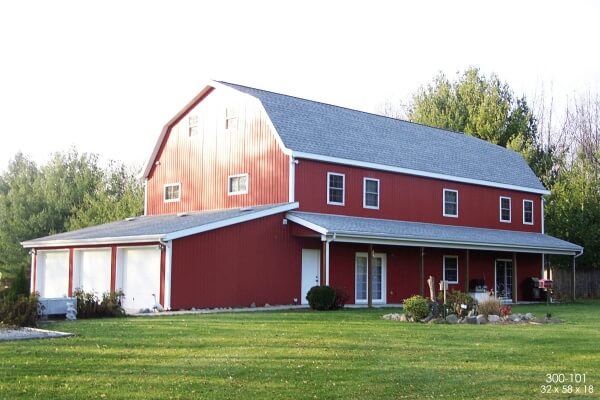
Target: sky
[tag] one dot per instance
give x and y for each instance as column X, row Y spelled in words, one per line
column 105, row 76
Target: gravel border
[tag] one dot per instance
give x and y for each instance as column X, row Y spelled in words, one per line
column 30, row 333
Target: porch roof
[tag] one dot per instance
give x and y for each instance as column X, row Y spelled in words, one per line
column 343, row 228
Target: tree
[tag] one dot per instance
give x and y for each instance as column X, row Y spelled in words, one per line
column 485, row 108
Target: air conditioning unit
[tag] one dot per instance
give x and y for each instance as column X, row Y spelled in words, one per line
column 56, row 306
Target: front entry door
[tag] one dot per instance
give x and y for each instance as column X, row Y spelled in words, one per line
column 311, row 268
column 504, row 277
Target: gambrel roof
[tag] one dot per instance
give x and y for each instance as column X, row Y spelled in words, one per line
column 316, row 130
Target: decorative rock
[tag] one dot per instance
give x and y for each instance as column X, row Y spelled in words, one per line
column 481, row 319
column 493, row 318
column 515, row 317
column 528, row 316
column 267, row 305
column 472, row 320
column 402, row 318
column 452, row 319
column 253, row 305
column 394, row 317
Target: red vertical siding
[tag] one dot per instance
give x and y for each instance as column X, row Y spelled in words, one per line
column 253, row 262
column 411, row 198
column 202, row 163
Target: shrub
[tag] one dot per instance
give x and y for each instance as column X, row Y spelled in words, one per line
column 321, row 298
column 19, row 311
column 90, row 306
column 489, row 307
column 456, row 298
column 341, row 297
column 416, row 307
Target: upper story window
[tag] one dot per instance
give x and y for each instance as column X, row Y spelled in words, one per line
column 505, row 209
column 192, row 125
column 528, row 212
column 335, row 188
column 451, row 269
column 371, row 193
column 450, row 203
column 237, row 184
column 172, row 192
column 231, row 118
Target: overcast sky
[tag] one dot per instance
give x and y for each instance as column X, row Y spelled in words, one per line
column 105, row 76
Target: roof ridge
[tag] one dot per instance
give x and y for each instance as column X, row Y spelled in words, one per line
column 459, row 134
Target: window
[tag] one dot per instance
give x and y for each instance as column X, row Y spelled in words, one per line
column 335, row 189
column 238, row 184
column 378, row 292
column 450, row 203
column 504, row 209
column 192, row 125
column 231, row 119
column 172, row 192
column 451, row 269
column 528, row 212
column 371, row 193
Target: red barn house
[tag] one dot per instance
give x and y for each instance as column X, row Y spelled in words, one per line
column 254, row 197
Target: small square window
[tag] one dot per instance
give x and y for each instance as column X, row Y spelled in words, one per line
column 238, row 184
column 451, row 269
column 528, row 212
column 231, row 119
column 505, row 209
column 450, row 203
column 172, row 192
column 371, row 193
column 192, row 125
column 335, row 189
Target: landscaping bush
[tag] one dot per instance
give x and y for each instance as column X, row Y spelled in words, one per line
column 454, row 300
column 321, row 298
column 19, row 311
column 90, row 306
column 489, row 307
column 416, row 307
column 341, row 297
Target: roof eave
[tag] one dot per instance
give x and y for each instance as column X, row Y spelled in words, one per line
column 96, row 241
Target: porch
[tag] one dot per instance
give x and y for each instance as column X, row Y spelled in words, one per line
column 383, row 261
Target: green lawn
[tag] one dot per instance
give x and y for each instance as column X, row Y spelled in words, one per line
column 350, row 354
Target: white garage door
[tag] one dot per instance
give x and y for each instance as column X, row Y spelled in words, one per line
column 91, row 270
column 138, row 276
column 52, row 274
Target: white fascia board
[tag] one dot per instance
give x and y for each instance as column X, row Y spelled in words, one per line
column 450, row 244
column 307, row 224
column 408, row 171
column 230, row 221
column 96, row 241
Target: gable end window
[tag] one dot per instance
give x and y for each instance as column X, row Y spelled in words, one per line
column 451, row 269
column 231, row 119
column 192, row 125
column 237, row 184
column 335, row 189
column 505, row 209
column 172, row 192
column 371, row 193
column 450, row 203
column 528, row 212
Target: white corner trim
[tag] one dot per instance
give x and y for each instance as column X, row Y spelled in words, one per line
column 307, row 224
column 32, row 272
column 168, row 268
column 408, row 171
column 230, row 221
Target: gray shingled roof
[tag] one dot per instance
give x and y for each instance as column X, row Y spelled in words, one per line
column 323, row 129
column 422, row 233
column 155, row 227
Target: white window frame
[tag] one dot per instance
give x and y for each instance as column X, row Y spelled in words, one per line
column 383, row 299
column 178, row 184
column 365, row 193
column 444, row 269
column 231, row 117
column 192, row 126
column 230, row 177
column 507, row 221
column 334, row 203
column 444, row 203
column 532, row 214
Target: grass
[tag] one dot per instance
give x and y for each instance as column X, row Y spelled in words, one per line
column 350, row 354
